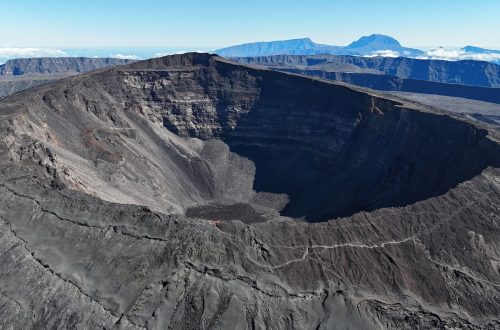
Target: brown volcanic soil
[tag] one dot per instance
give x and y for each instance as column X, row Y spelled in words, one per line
column 191, row 192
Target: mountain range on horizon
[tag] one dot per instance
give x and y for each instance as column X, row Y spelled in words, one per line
column 374, row 72
column 372, row 45
column 368, row 46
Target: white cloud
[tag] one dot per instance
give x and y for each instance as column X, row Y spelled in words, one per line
column 384, row 53
column 491, row 57
column 445, row 54
column 458, row 54
column 442, row 53
column 7, row 53
column 165, row 54
column 125, row 57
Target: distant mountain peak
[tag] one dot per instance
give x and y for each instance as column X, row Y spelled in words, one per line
column 479, row 50
column 370, row 45
column 298, row 46
column 295, row 41
column 306, row 39
column 300, row 41
column 376, row 41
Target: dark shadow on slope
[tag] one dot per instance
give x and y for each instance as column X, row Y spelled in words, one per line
column 392, row 160
column 332, row 149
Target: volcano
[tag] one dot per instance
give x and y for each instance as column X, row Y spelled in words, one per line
column 191, row 192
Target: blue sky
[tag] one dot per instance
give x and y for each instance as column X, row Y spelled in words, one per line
column 209, row 24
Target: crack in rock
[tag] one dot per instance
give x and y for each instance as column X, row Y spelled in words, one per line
column 51, row 271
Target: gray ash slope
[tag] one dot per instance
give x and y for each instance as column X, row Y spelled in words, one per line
column 107, row 176
column 24, row 73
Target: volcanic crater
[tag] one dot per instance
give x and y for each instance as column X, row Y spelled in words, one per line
column 329, row 206
column 332, row 150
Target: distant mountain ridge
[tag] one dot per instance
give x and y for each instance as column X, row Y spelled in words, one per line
column 24, row 73
column 473, row 80
column 375, row 40
column 474, row 73
column 375, row 45
column 384, row 82
column 303, row 46
column 479, row 50
column 57, row 65
column 365, row 46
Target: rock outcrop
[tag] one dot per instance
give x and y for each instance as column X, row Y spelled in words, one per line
column 56, row 65
column 24, row 73
column 191, row 192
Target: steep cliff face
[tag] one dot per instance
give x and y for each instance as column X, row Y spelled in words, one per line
column 474, row 73
column 56, row 65
column 314, row 141
column 23, row 73
column 390, row 83
column 11, row 86
column 173, row 193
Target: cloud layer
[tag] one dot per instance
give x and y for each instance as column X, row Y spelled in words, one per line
column 7, row 53
column 443, row 54
column 384, row 53
column 459, row 54
column 125, row 57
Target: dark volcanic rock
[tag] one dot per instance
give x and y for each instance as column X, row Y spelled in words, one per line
column 24, row 73
column 11, row 86
column 390, row 83
column 167, row 194
column 56, row 65
column 475, row 73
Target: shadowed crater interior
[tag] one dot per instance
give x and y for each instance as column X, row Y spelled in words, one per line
column 333, row 150
column 384, row 164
